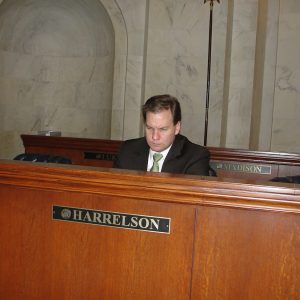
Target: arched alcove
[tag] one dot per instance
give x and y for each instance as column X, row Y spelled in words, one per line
column 57, row 69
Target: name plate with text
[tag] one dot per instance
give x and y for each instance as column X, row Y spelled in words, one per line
column 241, row 167
column 112, row 219
column 100, row 156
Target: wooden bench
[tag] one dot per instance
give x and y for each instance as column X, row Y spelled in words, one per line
column 233, row 163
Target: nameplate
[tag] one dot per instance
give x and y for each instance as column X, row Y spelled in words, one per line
column 112, row 219
column 241, row 167
column 100, row 156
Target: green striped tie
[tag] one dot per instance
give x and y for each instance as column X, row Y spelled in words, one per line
column 156, row 158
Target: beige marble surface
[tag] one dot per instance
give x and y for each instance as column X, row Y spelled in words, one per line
column 85, row 68
column 286, row 120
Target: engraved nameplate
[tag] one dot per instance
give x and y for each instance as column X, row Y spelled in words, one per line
column 112, row 219
column 100, row 156
column 241, row 167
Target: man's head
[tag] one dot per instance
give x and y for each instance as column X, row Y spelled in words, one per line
column 162, row 120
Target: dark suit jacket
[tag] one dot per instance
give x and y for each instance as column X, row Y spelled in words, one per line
column 184, row 157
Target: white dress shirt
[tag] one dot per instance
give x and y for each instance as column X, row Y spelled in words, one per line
column 160, row 162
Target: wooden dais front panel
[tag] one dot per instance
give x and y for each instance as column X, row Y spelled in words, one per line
column 226, row 240
column 43, row 258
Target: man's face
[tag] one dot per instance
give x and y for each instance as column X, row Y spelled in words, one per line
column 159, row 130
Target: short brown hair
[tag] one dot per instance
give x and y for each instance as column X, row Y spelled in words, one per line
column 163, row 102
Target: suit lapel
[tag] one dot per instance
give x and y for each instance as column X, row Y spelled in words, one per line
column 175, row 151
column 141, row 157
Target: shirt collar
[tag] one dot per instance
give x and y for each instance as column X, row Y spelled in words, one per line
column 164, row 153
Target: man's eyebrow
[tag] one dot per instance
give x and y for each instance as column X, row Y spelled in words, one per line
column 163, row 127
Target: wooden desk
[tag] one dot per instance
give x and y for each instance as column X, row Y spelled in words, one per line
column 233, row 163
column 226, row 240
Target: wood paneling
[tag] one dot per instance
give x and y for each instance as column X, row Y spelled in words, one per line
column 228, row 240
column 233, row 163
column 242, row 254
column 49, row 259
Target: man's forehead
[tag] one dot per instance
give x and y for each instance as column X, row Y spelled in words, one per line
column 161, row 116
column 160, row 113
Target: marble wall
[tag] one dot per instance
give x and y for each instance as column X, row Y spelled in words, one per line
column 56, row 69
column 177, row 56
column 286, row 115
column 86, row 67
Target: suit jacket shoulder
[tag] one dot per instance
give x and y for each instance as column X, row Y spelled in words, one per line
column 133, row 155
column 187, row 158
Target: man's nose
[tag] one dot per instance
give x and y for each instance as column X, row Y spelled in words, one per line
column 155, row 134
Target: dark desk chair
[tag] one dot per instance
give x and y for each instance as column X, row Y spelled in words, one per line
column 289, row 179
column 46, row 158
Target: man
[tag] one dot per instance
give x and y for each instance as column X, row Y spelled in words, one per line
column 176, row 154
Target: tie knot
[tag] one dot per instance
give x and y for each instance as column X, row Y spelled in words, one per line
column 157, row 157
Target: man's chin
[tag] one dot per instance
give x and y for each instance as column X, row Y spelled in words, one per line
column 156, row 148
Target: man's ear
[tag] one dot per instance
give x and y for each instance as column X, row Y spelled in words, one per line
column 177, row 127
